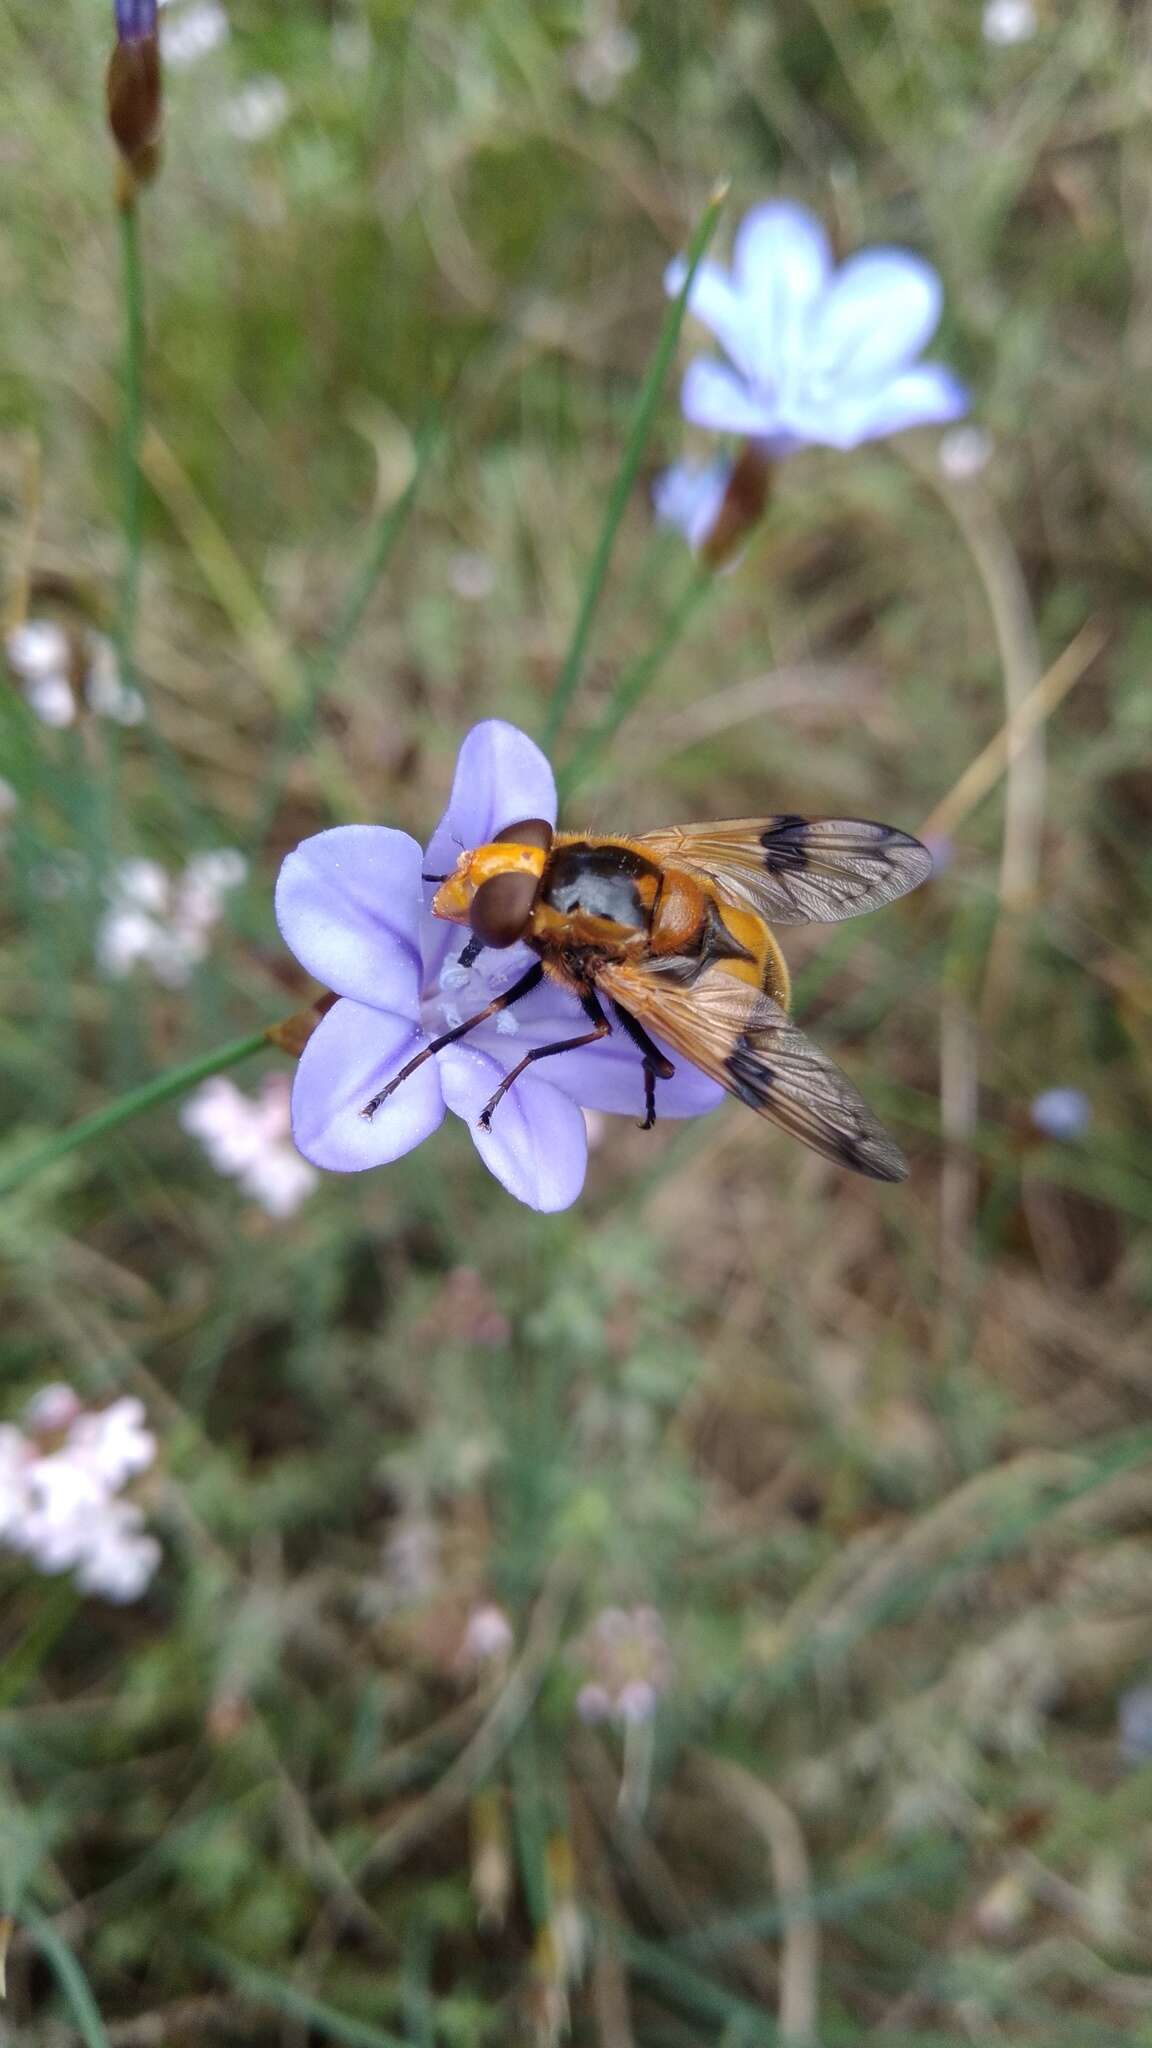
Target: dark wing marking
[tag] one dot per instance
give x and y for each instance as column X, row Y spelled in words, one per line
column 744, row 1040
column 798, row 870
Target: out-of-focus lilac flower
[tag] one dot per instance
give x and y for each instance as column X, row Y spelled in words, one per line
column 162, row 923
column 1009, row 21
column 626, row 1654
column 257, row 110
column 250, row 1140
column 61, row 1507
column 352, row 908
column 599, row 65
column 488, row 1636
column 44, row 659
column 690, row 496
column 1061, row 1113
column 191, row 32
column 963, row 453
column 1135, row 1730
column 816, row 354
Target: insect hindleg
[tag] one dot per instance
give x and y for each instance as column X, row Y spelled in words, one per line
column 601, row 1027
column 523, row 987
column 656, row 1064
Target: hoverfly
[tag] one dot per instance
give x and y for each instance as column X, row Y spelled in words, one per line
column 672, row 929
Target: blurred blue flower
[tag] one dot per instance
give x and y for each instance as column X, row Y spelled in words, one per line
column 136, row 20
column 690, row 497
column 815, row 354
column 1135, row 1724
column 1062, row 1113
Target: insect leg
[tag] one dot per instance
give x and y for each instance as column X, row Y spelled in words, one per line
column 655, row 1062
column 601, row 1027
column 523, row 987
column 470, row 953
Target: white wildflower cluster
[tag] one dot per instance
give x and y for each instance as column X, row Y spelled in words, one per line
column 62, row 1470
column 59, row 672
column 249, row 1139
column 627, row 1656
column 165, row 923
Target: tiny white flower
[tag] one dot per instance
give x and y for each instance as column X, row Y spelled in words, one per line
column 599, row 65
column 113, row 1441
column 191, row 32
column 963, row 453
column 107, row 692
column 256, row 112
column 38, row 648
column 53, row 1409
column 488, row 1635
column 471, row 575
column 53, row 700
column 118, row 1561
column 1009, row 21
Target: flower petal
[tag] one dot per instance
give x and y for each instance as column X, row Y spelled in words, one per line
column 349, row 905
column 925, row 396
column 876, row 315
column 782, row 263
column 607, row 1076
column 715, row 301
column 352, row 1053
column 537, row 1147
column 714, row 396
column 690, row 498
column 501, row 777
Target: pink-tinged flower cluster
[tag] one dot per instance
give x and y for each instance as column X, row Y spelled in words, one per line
column 165, row 923
column 488, row 1637
column 62, row 1473
column 353, row 908
column 249, row 1140
column 627, row 1656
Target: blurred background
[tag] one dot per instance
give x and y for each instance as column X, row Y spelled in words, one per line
column 719, row 1613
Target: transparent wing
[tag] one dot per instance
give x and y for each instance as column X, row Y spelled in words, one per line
column 746, row 1042
column 798, row 870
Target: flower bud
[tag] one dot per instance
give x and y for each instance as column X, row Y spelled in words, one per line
column 741, row 508
column 134, row 91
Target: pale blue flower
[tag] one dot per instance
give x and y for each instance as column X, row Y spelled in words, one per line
column 816, row 353
column 1061, row 1113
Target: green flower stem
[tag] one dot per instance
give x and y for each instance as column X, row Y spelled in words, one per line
column 642, row 418
column 131, row 431
column 120, row 1111
column 633, row 684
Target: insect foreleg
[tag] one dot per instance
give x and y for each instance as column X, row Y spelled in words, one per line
column 523, row 987
column 601, row 1027
column 656, row 1064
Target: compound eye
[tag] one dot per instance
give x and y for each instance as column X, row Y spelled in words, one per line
column 530, row 832
column 502, row 907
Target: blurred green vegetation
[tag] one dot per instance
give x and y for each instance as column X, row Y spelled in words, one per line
column 879, row 1457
